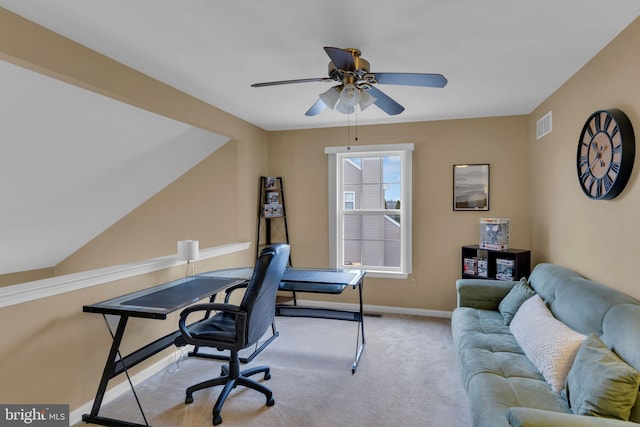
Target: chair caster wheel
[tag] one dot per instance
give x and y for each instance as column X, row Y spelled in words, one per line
column 271, row 402
column 217, row 420
column 267, row 376
column 188, row 399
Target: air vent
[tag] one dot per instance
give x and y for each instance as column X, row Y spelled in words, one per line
column 543, row 126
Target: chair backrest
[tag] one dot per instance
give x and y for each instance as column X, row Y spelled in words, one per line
column 259, row 300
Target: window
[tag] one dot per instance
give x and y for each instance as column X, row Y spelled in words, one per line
column 349, row 200
column 370, row 208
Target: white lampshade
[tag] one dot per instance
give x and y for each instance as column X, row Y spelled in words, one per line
column 344, row 108
column 330, row 97
column 188, row 250
column 350, row 95
column 366, row 100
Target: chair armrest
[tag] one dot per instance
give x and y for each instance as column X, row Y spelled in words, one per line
column 229, row 291
column 482, row 293
column 527, row 417
column 182, row 323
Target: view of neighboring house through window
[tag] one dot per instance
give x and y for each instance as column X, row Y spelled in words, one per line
column 370, row 202
column 349, row 200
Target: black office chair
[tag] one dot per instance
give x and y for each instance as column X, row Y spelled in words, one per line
column 236, row 327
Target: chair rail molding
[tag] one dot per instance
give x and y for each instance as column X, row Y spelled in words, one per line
column 30, row 291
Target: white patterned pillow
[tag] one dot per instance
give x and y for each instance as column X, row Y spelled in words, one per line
column 548, row 343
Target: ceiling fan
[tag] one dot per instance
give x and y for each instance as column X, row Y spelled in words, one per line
column 356, row 84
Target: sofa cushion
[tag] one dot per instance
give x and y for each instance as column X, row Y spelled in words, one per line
column 520, row 292
column 485, row 345
column 490, row 396
column 624, row 341
column 600, row 383
column 548, row 343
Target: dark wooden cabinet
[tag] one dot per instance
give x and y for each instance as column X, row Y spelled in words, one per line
column 509, row 264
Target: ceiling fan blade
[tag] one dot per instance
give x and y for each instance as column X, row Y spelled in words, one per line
column 317, row 108
column 411, row 79
column 342, row 59
column 385, row 103
column 286, row 82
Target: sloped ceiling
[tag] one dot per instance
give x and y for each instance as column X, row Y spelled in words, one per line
column 70, row 160
column 73, row 163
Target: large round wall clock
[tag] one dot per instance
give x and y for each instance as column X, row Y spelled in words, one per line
column 606, row 151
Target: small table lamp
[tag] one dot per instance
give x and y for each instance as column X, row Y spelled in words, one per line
column 188, row 250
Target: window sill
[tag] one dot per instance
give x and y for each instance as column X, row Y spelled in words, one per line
column 387, row 274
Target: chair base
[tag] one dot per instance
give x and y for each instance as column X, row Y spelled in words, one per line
column 232, row 377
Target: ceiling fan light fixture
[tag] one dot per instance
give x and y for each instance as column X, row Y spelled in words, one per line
column 350, row 95
column 366, row 100
column 330, row 97
column 345, row 109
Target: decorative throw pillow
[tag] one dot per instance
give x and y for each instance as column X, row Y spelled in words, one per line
column 520, row 292
column 600, row 383
column 548, row 343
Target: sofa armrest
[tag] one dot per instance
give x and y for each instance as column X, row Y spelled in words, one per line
column 482, row 293
column 527, row 417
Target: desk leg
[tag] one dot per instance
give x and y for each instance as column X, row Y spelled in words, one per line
column 360, row 338
column 107, row 374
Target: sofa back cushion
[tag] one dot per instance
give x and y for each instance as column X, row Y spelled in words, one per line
column 582, row 304
column 545, row 278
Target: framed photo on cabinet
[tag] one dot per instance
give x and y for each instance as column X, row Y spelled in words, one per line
column 471, row 187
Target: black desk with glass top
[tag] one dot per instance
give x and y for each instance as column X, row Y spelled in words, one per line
column 153, row 303
column 159, row 301
column 325, row 281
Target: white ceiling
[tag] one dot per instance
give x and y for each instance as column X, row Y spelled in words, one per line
column 501, row 57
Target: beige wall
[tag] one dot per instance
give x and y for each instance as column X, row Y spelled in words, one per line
column 438, row 232
column 25, row 276
column 596, row 238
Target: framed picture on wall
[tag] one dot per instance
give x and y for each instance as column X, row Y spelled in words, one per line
column 471, row 187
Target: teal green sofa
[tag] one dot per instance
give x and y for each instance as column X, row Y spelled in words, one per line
column 503, row 386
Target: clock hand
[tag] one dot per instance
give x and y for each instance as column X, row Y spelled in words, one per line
column 599, row 151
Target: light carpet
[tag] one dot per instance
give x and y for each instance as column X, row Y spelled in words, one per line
column 408, row 376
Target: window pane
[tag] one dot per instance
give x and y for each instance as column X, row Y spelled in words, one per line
column 392, row 196
column 392, row 227
column 352, row 252
column 372, row 226
column 372, row 170
column 392, row 253
column 352, row 225
column 372, row 197
column 372, row 253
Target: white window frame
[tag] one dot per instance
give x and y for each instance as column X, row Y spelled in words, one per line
column 335, row 156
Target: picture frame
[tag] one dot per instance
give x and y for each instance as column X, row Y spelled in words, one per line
column 471, row 187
